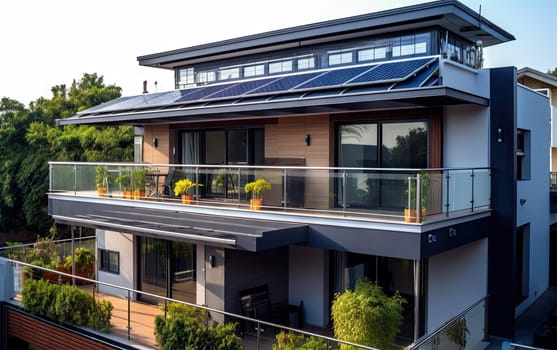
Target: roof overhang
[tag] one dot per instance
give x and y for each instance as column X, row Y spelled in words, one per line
column 241, row 233
column 449, row 14
column 413, row 98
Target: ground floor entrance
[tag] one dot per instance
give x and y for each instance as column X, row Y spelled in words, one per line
column 166, row 268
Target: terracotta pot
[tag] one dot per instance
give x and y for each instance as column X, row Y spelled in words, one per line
column 187, row 198
column 100, row 191
column 138, row 194
column 410, row 215
column 255, row 204
column 127, row 194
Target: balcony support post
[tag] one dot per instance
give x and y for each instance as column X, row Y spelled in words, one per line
column 73, row 255
column 416, row 298
column 447, row 205
column 129, row 315
column 284, row 194
column 418, row 197
column 344, row 189
column 473, row 176
column 75, row 180
column 239, row 184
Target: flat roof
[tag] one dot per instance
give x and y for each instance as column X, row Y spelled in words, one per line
column 546, row 78
column 449, row 14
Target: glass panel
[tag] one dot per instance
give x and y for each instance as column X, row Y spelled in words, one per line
column 306, row 63
column 255, row 70
column 404, row 145
column 215, row 144
column 229, row 73
column 340, row 58
column 114, row 262
column 280, row 66
column 152, row 267
column 237, row 146
column 184, row 272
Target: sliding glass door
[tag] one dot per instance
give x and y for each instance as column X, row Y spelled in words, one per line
column 379, row 145
column 166, row 268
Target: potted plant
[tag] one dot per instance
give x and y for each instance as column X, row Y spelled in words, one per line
column 410, row 214
column 138, row 177
column 124, row 181
column 101, row 180
column 256, row 188
column 182, row 187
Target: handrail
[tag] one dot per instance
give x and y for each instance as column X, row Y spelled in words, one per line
column 55, row 242
column 426, row 338
column 206, row 308
column 239, row 166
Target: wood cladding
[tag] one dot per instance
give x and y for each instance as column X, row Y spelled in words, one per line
column 161, row 153
column 43, row 336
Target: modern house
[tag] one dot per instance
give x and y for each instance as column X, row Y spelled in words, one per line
column 352, row 121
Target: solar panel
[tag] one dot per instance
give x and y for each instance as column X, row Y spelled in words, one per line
column 418, row 79
column 241, row 88
column 203, row 92
column 284, row 83
column 390, row 71
column 335, row 77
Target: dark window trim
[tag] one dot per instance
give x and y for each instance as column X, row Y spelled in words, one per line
column 104, row 261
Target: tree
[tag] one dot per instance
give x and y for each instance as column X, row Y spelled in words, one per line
column 29, row 138
column 367, row 316
column 552, row 72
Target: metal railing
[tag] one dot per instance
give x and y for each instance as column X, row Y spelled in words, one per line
column 254, row 340
column 467, row 330
column 426, row 194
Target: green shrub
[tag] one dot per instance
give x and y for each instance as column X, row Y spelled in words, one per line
column 65, row 304
column 186, row 328
column 73, row 305
column 99, row 316
column 367, row 316
column 295, row 341
column 38, row 297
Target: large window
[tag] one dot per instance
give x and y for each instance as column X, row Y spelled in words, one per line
column 379, row 145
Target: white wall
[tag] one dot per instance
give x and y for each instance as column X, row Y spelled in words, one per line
column 200, row 268
column 463, row 78
column 309, row 282
column 533, row 114
column 456, row 280
column 124, row 244
column 466, row 136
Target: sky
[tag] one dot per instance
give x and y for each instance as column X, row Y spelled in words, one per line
column 48, row 43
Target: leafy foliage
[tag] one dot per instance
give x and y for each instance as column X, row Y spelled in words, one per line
column 294, row 341
column 187, row 328
column 367, row 316
column 65, row 303
column 257, row 187
column 29, row 138
column 553, row 72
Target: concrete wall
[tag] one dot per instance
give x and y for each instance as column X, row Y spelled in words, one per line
column 464, row 78
column 124, row 244
column 200, row 268
column 456, row 280
column 466, row 136
column 309, row 282
column 533, row 115
column 214, row 280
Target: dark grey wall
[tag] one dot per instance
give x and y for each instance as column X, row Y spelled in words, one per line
column 502, row 235
column 246, row 270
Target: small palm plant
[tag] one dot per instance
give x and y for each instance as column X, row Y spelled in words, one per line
column 182, row 187
column 256, row 188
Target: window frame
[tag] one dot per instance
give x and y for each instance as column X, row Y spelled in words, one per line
column 105, row 264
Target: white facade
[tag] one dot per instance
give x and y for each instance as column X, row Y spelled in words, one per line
column 533, row 202
column 122, row 243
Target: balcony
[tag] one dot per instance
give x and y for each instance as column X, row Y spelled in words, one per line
column 298, row 194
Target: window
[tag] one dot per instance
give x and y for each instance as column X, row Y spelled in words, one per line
column 229, row 73
column 306, row 63
column 522, row 263
column 280, row 66
column 340, row 57
column 523, row 154
column 206, row 77
column 255, row 70
column 411, row 45
column 186, row 77
column 372, row 54
column 109, row 261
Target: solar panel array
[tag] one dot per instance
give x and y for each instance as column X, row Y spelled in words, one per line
column 368, row 78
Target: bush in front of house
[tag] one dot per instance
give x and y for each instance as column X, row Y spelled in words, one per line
column 367, row 316
column 295, row 341
column 186, row 327
column 66, row 304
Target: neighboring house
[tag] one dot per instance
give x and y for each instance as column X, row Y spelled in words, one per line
column 344, row 117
